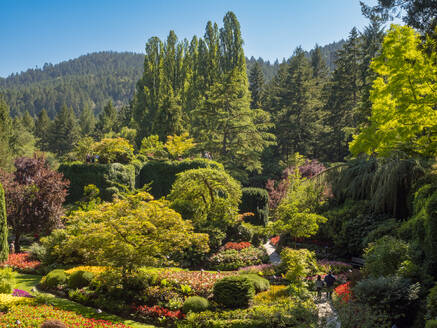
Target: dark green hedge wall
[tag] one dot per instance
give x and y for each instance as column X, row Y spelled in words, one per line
column 255, row 200
column 162, row 174
column 109, row 178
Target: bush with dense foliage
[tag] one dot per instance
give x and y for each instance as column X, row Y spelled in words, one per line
column 162, row 174
column 385, row 256
column 80, row 279
column 195, row 304
column 113, row 150
column 129, row 233
column 261, row 284
column 297, row 264
column 108, row 178
column 7, row 280
column 395, row 296
column 234, row 292
column 232, row 259
column 256, row 201
column 431, row 303
column 34, row 196
column 54, row 279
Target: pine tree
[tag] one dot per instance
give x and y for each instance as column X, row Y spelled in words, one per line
column 256, row 85
column 5, row 135
column 65, row 131
column 42, row 130
column 107, row 120
column 87, row 121
column 28, row 122
column 4, row 247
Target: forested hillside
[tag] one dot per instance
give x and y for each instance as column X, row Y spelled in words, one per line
column 92, row 80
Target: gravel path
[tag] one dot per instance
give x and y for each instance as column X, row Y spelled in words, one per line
column 271, row 252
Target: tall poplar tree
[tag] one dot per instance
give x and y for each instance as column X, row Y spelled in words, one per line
column 4, row 247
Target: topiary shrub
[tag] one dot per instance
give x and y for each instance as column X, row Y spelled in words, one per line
column 234, row 292
column 80, row 279
column 53, row 324
column 54, row 278
column 162, row 174
column 256, row 201
column 195, row 304
column 4, row 247
column 261, row 284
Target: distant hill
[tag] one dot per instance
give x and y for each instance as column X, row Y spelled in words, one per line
column 93, row 80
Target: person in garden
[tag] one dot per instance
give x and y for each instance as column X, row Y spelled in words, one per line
column 319, row 286
column 329, row 281
column 12, row 248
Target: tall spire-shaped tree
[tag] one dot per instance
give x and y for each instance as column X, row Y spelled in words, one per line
column 4, row 250
column 256, row 85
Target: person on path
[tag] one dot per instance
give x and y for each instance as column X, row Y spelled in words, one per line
column 319, row 287
column 329, row 281
column 12, row 248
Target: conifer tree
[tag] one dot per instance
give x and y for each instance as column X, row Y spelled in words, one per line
column 28, row 122
column 42, row 130
column 5, row 135
column 256, row 85
column 107, row 120
column 65, row 131
column 87, row 121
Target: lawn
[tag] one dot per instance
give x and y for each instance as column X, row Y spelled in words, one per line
column 28, row 281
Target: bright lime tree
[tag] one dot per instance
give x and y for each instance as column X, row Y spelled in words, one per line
column 404, row 96
column 114, row 150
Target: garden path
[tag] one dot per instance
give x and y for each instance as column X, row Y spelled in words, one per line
column 271, row 252
column 327, row 315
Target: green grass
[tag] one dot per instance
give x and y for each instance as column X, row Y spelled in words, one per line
column 28, row 281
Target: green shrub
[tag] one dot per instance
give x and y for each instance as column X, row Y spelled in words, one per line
column 104, row 176
column 195, row 304
column 431, row 324
column 392, row 295
column 261, row 284
column 234, row 292
column 232, row 259
column 431, row 302
column 80, row 279
column 297, row 264
column 54, row 278
column 256, row 201
column 162, row 174
column 7, row 280
column 385, row 256
column 37, row 252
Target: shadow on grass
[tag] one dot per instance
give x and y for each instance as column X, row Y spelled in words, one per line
column 28, row 281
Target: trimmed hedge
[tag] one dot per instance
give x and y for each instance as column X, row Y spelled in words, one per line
column 259, row 283
column 109, row 178
column 54, row 278
column 234, row 292
column 255, row 200
column 80, row 279
column 195, row 304
column 162, row 174
column 4, row 247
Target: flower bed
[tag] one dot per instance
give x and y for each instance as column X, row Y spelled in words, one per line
column 157, row 315
column 336, row 267
column 93, row 269
column 201, row 282
column 31, row 316
column 237, row 246
column 261, row 269
column 344, row 292
column 20, row 293
column 232, row 259
column 21, row 262
column 275, row 240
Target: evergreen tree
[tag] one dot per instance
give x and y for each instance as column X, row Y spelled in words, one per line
column 5, row 135
column 320, row 69
column 256, row 85
column 4, row 247
column 87, row 121
column 42, row 130
column 107, row 120
column 28, row 122
column 65, row 131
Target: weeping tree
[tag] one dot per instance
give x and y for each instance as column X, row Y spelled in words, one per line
column 385, row 182
column 4, row 252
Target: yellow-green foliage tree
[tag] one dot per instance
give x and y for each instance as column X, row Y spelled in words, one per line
column 132, row 232
column 404, row 96
column 114, row 150
column 179, row 145
column 297, row 212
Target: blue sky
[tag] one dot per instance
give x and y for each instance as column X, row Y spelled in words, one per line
column 33, row 32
